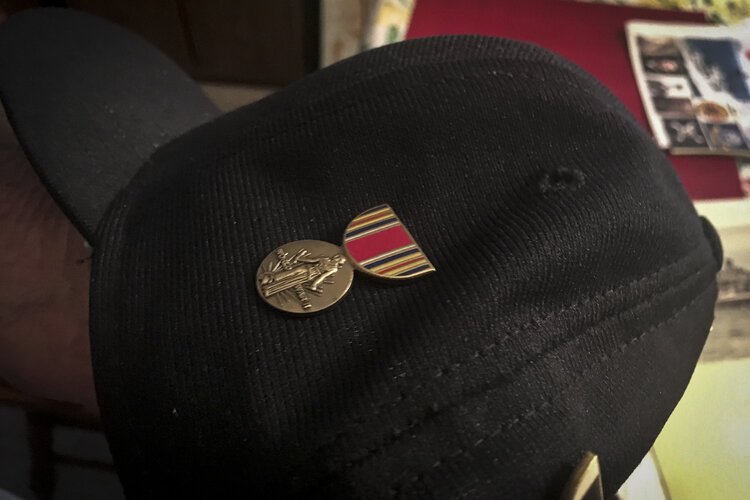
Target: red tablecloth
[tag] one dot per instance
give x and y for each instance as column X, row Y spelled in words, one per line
column 591, row 35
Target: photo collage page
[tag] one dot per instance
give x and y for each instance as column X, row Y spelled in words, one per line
column 695, row 91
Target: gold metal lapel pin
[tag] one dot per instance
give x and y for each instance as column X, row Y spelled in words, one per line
column 308, row 276
column 586, row 481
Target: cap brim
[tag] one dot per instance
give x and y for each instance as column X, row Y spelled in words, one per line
column 90, row 102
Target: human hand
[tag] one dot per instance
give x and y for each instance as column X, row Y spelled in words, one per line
column 44, row 287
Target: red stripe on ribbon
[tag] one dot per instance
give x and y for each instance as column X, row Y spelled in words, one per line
column 378, row 243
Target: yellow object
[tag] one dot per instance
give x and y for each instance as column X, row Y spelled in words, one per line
column 390, row 21
column 704, row 449
column 586, row 481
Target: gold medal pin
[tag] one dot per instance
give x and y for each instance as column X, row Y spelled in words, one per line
column 307, row 276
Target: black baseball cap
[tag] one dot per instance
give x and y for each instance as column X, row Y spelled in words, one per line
column 574, row 290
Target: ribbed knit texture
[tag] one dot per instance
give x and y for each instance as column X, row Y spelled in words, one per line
column 574, row 288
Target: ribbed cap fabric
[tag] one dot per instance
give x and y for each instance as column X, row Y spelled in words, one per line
column 90, row 102
column 574, row 289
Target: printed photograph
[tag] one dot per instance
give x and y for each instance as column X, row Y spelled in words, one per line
column 708, row 65
column 685, row 133
column 711, row 112
column 674, row 107
column 740, row 112
column 743, row 170
column 730, row 335
column 725, row 136
column 718, row 70
column 671, row 87
column 664, row 65
column 658, row 46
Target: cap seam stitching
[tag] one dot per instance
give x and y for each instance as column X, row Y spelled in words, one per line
column 547, row 403
column 379, row 406
column 393, row 437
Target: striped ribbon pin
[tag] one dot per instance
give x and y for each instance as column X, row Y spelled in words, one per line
column 378, row 244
